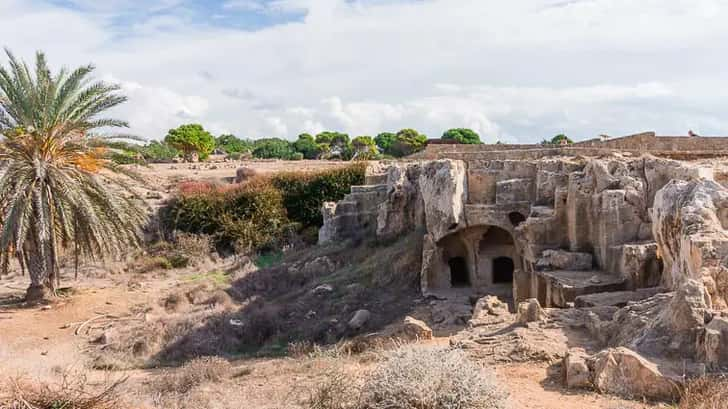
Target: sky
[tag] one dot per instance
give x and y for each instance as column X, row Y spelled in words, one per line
column 512, row 70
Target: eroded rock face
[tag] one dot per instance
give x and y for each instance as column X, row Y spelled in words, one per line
column 638, row 243
column 689, row 220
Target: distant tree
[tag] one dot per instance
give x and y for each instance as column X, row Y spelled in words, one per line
column 232, row 144
column 556, row 140
column 273, row 148
column 307, row 146
column 407, row 142
column 191, row 139
column 339, row 143
column 462, row 135
column 159, row 152
column 384, row 141
column 364, row 148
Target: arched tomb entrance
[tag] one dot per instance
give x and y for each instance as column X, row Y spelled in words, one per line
column 482, row 258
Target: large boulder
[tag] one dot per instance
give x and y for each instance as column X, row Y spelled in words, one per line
column 623, row 372
column 412, row 329
column 359, row 319
column 529, row 311
column 575, row 369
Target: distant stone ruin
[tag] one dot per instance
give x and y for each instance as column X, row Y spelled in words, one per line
column 608, row 223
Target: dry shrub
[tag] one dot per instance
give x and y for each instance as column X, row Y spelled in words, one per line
column 73, row 391
column 415, row 377
column 193, row 245
column 196, row 331
column 145, row 265
column 709, row 392
column 336, row 391
column 219, row 298
column 175, row 302
column 192, row 374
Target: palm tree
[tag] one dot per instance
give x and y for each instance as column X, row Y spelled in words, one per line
column 57, row 193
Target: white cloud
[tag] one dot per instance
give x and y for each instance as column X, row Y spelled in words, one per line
column 517, row 71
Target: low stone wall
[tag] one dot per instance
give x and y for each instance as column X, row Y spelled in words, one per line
column 649, row 142
column 532, row 152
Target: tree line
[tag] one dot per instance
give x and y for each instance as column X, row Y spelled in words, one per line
column 192, row 142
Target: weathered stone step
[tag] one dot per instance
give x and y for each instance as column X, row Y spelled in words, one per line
column 376, row 179
column 347, row 206
column 561, row 287
column 615, row 298
column 378, row 188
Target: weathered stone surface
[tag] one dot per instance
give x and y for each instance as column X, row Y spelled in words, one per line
column 443, row 188
column 615, row 298
column 712, row 344
column 564, row 260
column 575, row 369
column 412, row 329
column 489, row 305
column 359, row 319
column 514, row 191
column 689, row 220
column 623, row 372
column 529, row 311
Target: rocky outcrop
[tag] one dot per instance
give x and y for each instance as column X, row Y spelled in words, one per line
column 638, row 244
column 689, row 220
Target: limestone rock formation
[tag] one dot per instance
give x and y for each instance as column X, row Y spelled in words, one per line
column 637, row 245
column 529, row 311
column 621, row 371
column 412, row 329
column 689, row 226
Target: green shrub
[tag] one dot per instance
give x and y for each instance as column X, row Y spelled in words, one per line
column 252, row 213
column 304, row 194
column 125, row 158
column 158, row 152
column 178, row 261
column 262, row 213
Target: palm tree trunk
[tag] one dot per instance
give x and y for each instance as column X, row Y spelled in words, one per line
column 40, row 270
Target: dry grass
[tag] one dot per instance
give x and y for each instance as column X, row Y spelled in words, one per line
column 192, row 374
column 72, row 391
column 180, row 388
column 710, row 392
column 193, row 246
column 414, row 377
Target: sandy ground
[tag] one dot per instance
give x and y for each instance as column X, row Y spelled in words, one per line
column 38, row 342
column 225, row 170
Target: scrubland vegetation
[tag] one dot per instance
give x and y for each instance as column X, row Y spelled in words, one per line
column 262, row 213
column 414, row 377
